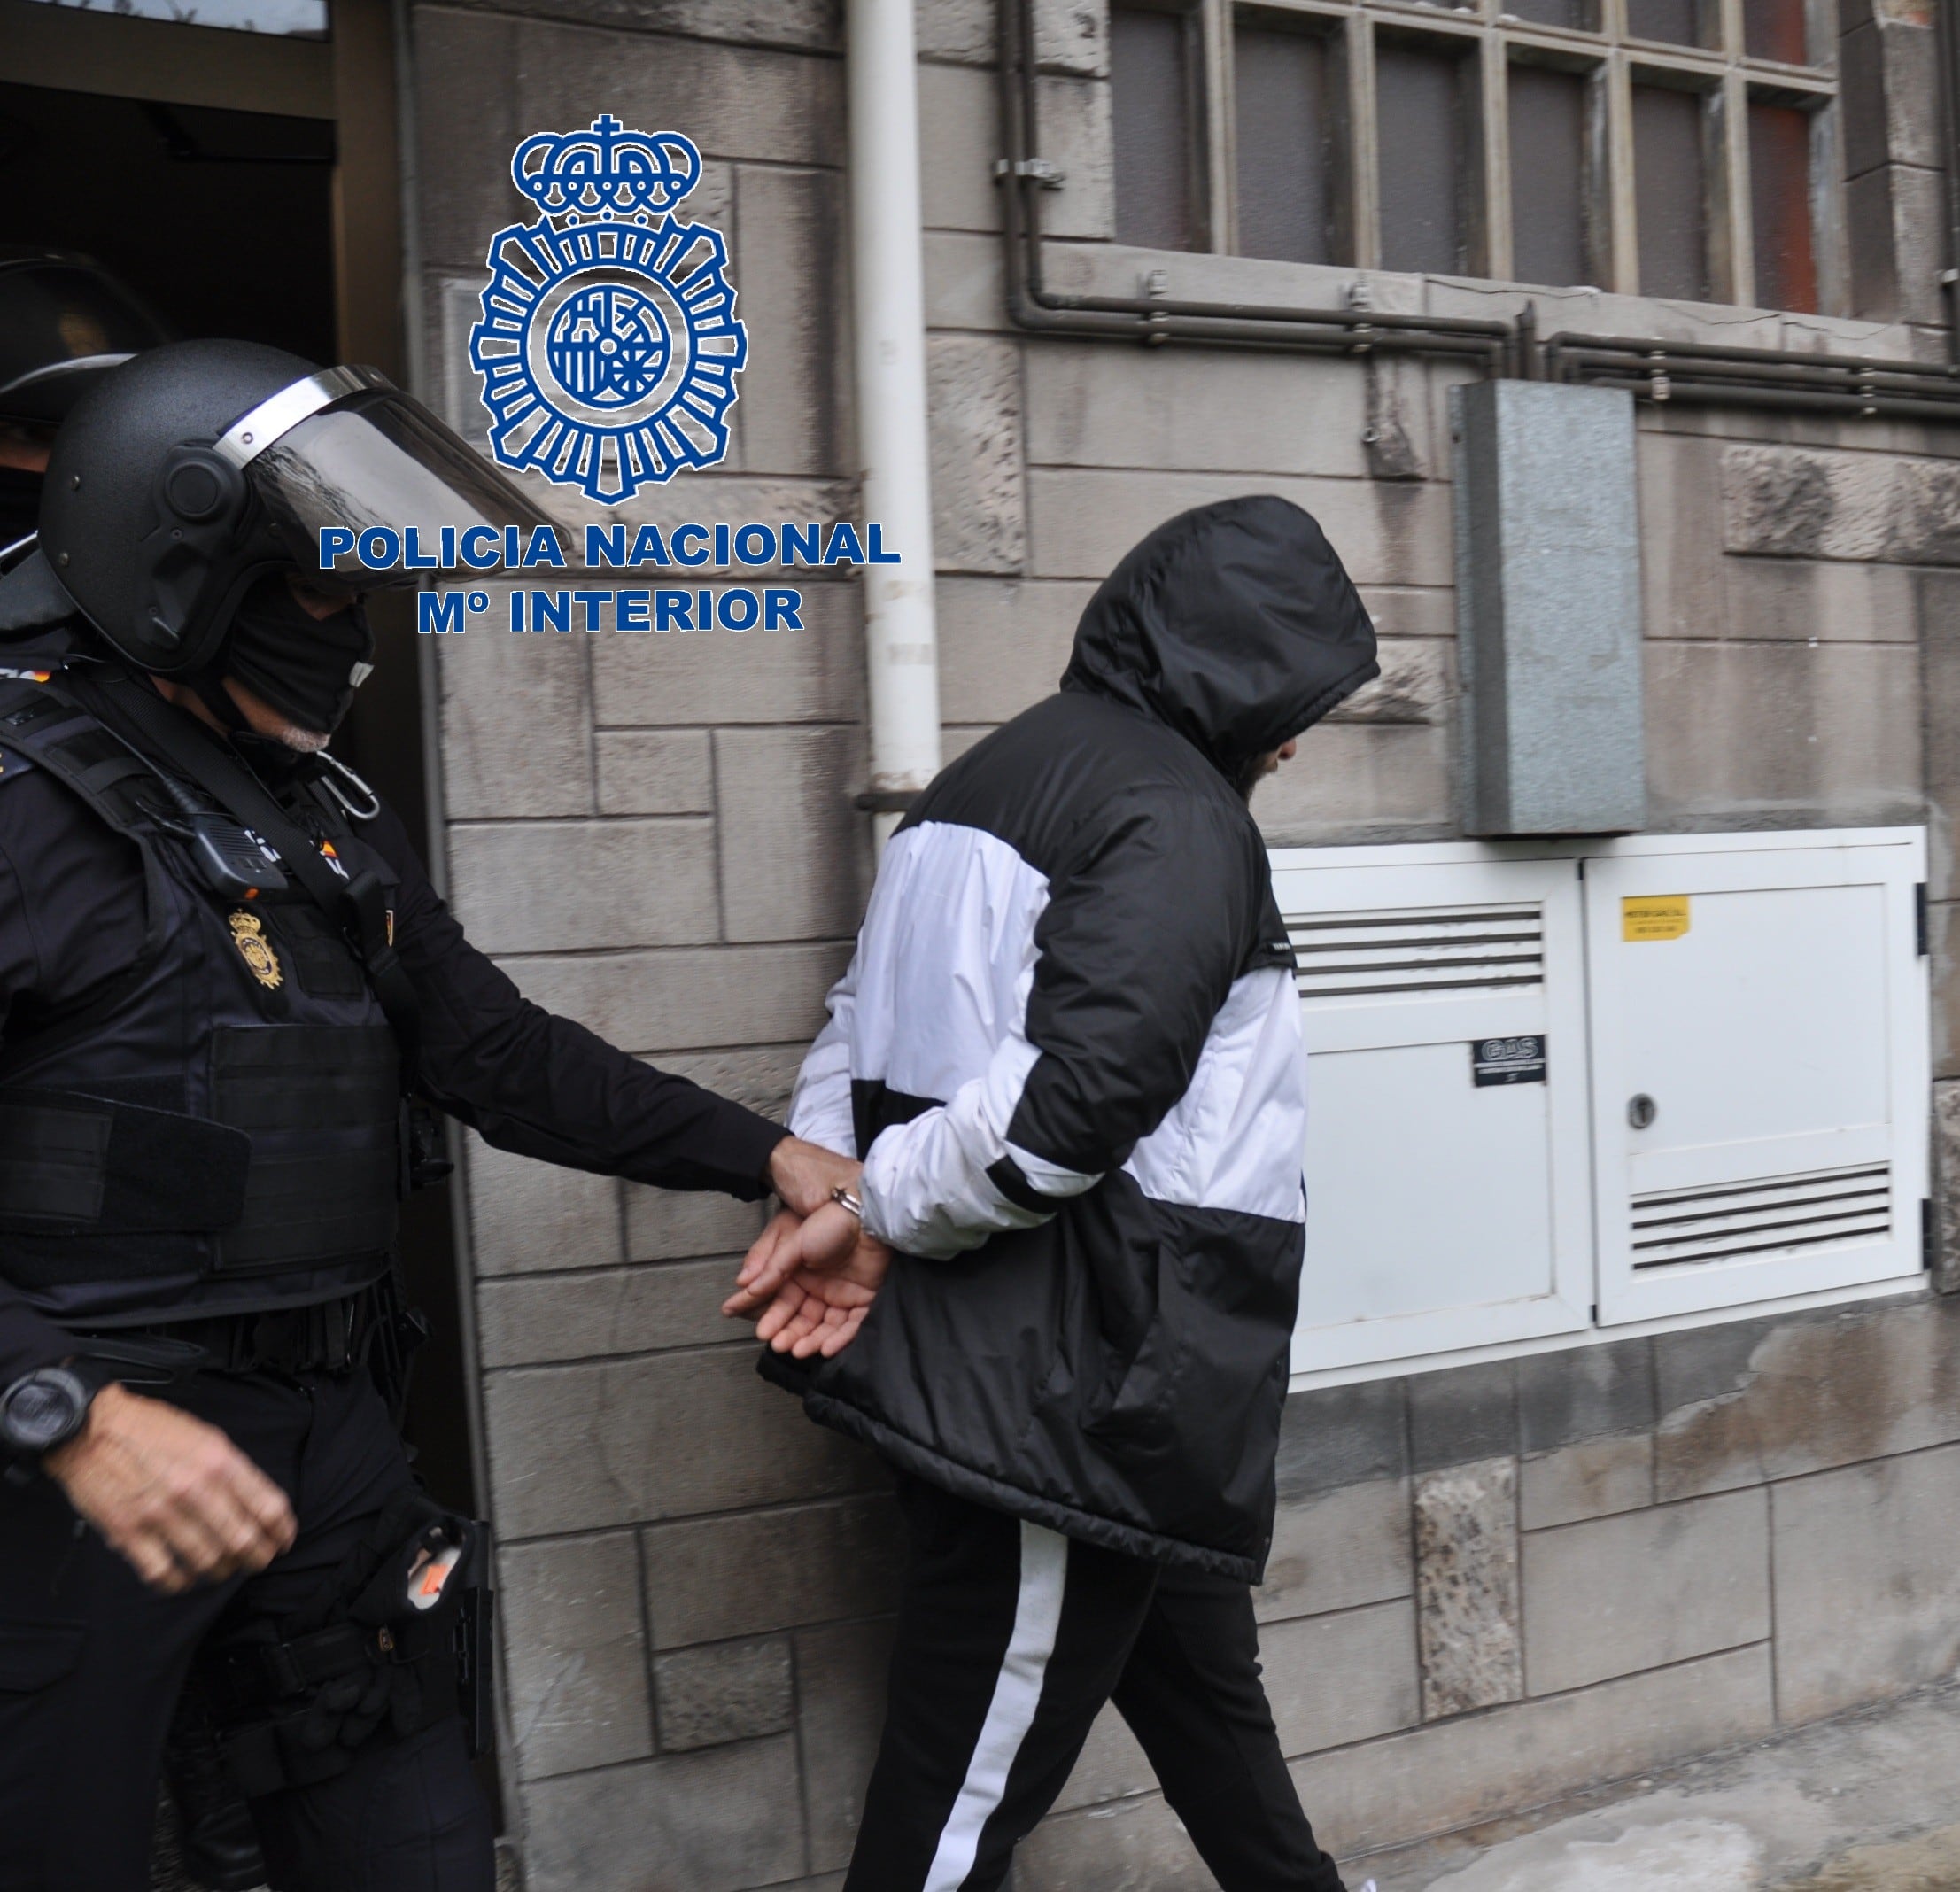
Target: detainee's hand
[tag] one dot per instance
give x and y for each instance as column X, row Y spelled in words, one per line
column 820, row 1240
column 813, row 1281
column 172, row 1495
column 805, row 1173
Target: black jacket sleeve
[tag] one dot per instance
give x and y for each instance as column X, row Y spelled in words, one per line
column 1138, row 947
column 543, row 1086
column 28, row 1340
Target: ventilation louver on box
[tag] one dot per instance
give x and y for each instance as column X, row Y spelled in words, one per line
column 1677, row 1227
column 1408, row 950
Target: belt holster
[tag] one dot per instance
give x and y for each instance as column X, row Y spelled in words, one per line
column 296, row 1701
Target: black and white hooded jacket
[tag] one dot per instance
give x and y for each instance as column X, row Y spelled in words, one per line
column 1069, row 1048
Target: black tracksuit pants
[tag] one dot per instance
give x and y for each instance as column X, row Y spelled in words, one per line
column 91, row 1664
column 1011, row 1638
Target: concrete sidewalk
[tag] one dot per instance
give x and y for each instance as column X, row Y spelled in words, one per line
column 1867, row 1802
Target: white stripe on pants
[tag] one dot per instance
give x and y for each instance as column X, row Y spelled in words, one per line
column 1017, row 1694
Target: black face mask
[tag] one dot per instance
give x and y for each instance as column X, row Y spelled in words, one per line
column 307, row 668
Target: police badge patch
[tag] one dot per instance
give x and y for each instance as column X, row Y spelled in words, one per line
column 248, row 934
column 608, row 346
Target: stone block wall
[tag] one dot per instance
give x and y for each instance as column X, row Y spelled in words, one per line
column 1499, row 1582
column 1892, row 158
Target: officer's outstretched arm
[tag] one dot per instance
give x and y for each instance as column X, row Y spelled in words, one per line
column 544, row 1086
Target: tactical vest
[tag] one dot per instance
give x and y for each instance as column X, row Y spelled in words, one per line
column 221, row 1130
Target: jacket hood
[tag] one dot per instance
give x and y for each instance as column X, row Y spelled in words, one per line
column 1236, row 623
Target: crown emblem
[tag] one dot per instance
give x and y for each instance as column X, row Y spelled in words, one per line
column 607, row 168
column 607, row 345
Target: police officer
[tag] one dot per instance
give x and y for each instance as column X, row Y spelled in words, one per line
column 225, row 983
column 65, row 322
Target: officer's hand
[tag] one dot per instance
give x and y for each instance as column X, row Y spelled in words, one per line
column 805, row 1173
column 173, row 1495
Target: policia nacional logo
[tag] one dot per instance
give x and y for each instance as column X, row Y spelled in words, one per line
column 608, row 346
column 248, row 934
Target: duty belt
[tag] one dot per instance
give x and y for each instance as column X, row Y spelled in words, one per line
column 330, row 1336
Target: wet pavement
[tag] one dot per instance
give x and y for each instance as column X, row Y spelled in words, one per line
column 1866, row 1803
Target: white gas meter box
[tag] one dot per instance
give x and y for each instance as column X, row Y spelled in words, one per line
column 1759, row 1065
column 1555, row 1087
column 1445, row 1210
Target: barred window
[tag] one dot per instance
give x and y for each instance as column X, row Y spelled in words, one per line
column 1681, row 148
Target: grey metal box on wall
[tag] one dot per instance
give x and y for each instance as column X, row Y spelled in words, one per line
column 1548, row 608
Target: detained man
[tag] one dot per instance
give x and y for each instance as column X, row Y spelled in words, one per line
column 1068, row 1050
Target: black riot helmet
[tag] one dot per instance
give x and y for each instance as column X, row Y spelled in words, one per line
column 64, row 322
column 196, row 471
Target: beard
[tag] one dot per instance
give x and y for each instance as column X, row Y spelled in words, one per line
column 1253, row 770
column 301, row 741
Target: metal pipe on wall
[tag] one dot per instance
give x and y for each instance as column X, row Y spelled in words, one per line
column 889, row 314
column 1861, row 386
column 1156, row 321
column 1653, row 369
column 1947, row 36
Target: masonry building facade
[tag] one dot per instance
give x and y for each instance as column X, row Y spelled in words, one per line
column 1503, row 1572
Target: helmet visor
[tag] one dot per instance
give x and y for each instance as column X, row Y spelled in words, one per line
column 347, row 448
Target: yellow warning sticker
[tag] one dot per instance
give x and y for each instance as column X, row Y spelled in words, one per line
column 1654, row 916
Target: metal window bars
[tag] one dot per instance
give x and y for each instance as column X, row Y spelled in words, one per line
column 1653, row 369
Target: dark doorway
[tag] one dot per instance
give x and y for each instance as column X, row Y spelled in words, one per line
column 221, row 221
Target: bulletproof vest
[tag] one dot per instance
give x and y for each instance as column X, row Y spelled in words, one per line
column 221, row 1129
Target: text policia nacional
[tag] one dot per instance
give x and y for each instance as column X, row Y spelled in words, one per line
column 506, row 549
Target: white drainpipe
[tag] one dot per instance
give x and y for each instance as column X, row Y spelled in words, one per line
column 889, row 312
